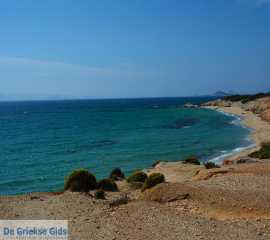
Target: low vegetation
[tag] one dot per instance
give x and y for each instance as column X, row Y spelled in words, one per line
column 153, row 180
column 263, row 153
column 80, row 181
column 99, row 194
column 209, row 165
column 192, row 160
column 107, row 185
column 245, row 98
column 83, row 181
column 117, row 174
column 138, row 176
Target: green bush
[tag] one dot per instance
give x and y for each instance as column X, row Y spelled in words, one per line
column 99, row 194
column 245, row 98
column 263, row 153
column 138, row 176
column 192, row 160
column 117, row 174
column 209, row 165
column 80, row 181
column 153, row 180
column 107, row 184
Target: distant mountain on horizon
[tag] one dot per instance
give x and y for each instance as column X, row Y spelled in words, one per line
column 223, row 94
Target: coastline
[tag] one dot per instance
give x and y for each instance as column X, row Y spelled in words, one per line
column 240, row 151
column 259, row 133
column 230, row 202
column 260, row 129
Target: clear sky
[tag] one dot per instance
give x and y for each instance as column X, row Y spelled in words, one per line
column 133, row 48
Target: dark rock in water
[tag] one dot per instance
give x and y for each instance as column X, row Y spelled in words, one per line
column 180, row 123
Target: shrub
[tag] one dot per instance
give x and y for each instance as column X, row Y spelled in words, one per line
column 209, row 165
column 245, row 98
column 153, row 180
column 80, row 181
column 138, row 176
column 99, row 194
column 263, row 153
column 192, row 160
column 107, row 185
column 117, row 174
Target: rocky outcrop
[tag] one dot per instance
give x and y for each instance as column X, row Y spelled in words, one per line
column 217, row 103
column 260, row 107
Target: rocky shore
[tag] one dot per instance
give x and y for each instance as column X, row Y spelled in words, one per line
column 229, row 202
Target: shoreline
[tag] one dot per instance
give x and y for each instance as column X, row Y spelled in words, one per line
column 236, row 152
column 230, row 202
column 259, row 133
column 259, row 129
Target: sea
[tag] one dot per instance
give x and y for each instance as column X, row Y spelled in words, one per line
column 43, row 141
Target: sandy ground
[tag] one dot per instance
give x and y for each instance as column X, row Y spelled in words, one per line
column 260, row 128
column 231, row 202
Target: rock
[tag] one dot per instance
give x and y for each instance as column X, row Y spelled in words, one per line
column 245, row 160
column 122, row 199
column 34, row 197
column 260, row 106
column 165, row 193
column 206, row 174
column 266, row 115
column 217, row 103
column 192, row 160
column 178, row 197
column 227, row 162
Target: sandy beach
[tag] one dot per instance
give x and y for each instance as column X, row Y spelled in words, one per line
column 231, row 202
column 260, row 129
column 135, row 120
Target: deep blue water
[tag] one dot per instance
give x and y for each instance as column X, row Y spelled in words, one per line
column 42, row 141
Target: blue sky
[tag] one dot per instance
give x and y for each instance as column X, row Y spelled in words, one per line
column 133, row 48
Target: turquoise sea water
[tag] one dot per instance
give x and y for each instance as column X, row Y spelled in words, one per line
column 41, row 142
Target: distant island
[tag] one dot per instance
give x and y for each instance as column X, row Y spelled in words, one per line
column 223, row 94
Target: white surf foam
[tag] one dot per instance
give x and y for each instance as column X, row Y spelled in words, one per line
column 225, row 154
